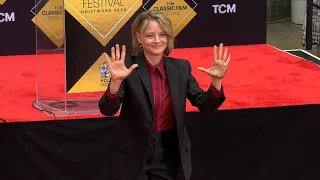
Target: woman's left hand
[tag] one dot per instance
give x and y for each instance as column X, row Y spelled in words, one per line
column 219, row 67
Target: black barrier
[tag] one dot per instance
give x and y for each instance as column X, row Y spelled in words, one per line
column 276, row 143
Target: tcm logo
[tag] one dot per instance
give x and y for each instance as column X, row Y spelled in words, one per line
column 224, row 8
column 7, row 17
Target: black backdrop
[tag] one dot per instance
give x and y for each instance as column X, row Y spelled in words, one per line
column 246, row 26
column 277, row 143
column 22, row 36
column 17, row 37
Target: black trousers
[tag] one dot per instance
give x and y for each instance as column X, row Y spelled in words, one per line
column 163, row 158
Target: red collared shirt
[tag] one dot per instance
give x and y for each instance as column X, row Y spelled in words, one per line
column 163, row 109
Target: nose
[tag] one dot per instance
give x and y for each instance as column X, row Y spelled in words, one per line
column 157, row 39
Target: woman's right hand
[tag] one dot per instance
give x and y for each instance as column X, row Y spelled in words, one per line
column 116, row 64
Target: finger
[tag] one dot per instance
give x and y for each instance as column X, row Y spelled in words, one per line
column 225, row 54
column 228, row 59
column 123, row 53
column 133, row 67
column 215, row 53
column 113, row 54
column 107, row 57
column 220, row 51
column 117, row 52
column 203, row 70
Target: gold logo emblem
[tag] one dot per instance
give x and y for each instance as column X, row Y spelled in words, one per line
column 49, row 19
column 103, row 18
column 96, row 78
column 2, row 1
column 179, row 12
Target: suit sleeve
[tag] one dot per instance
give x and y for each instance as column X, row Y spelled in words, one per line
column 205, row 101
column 109, row 104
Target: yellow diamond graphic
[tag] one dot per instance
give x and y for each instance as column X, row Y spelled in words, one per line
column 2, row 1
column 50, row 20
column 103, row 18
column 95, row 79
column 178, row 11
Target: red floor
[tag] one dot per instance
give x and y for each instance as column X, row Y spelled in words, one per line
column 258, row 76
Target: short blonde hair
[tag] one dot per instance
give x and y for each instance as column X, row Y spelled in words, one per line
column 141, row 22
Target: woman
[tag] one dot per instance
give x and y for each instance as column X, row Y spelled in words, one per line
column 315, row 27
column 151, row 139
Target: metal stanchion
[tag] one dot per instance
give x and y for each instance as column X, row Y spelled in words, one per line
column 316, row 5
column 309, row 25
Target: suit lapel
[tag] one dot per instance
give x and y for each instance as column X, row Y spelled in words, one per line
column 172, row 76
column 144, row 76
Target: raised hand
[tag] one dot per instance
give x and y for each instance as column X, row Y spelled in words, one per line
column 219, row 67
column 117, row 67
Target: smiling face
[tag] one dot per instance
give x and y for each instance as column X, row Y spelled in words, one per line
column 153, row 31
column 153, row 39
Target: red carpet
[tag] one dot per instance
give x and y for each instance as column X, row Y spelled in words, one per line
column 258, row 76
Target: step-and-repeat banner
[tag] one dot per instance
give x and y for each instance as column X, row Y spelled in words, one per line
column 92, row 27
column 48, row 19
column 17, row 32
column 29, row 26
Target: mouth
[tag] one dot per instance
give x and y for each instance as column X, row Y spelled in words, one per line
column 157, row 46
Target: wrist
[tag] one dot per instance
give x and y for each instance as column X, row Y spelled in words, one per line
column 217, row 83
column 116, row 82
column 115, row 86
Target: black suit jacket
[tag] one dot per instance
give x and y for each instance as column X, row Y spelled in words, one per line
column 127, row 154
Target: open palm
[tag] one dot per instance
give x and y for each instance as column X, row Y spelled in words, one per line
column 117, row 67
column 219, row 67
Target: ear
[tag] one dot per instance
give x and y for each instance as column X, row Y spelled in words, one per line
column 138, row 37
